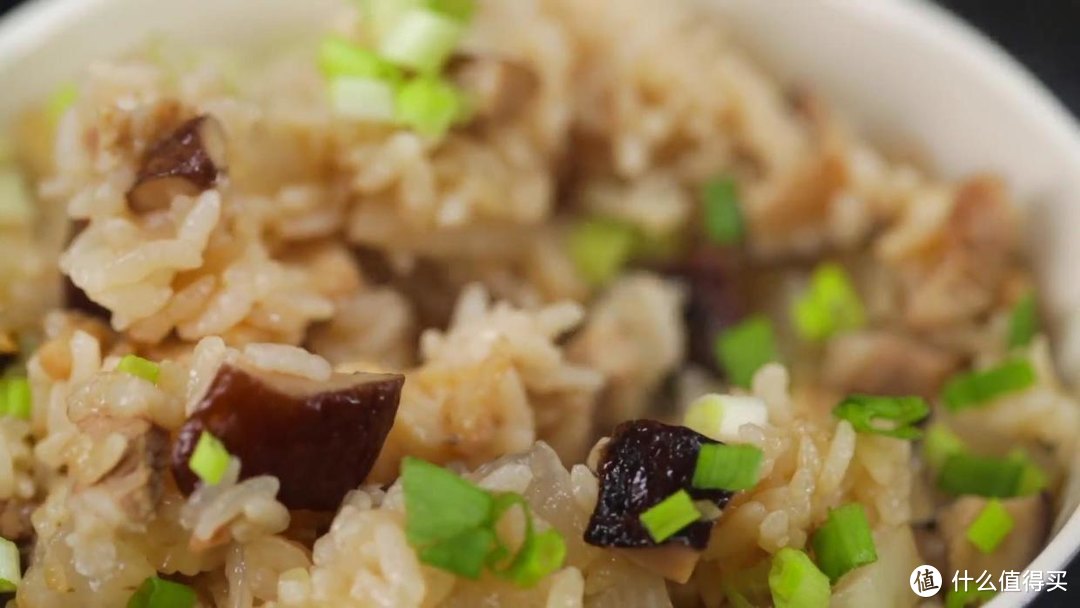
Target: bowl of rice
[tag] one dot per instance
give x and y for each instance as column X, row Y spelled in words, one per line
column 560, row 303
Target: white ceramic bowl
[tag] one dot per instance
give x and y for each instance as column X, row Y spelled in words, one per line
column 908, row 74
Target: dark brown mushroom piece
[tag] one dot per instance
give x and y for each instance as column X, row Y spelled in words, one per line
column 645, row 462
column 187, row 161
column 136, row 482
column 715, row 300
column 319, row 438
column 498, row 88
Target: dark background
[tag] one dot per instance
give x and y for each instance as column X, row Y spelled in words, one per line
column 1045, row 36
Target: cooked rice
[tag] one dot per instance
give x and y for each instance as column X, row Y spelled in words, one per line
column 335, row 247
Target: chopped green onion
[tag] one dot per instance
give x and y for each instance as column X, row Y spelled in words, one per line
column 889, row 416
column 1023, row 322
column 10, row 572
column 461, row 10
column 744, row 348
column 664, row 519
column 137, row 366
column 340, row 57
column 452, row 523
column 748, row 587
column 723, row 217
column 976, row 388
column 429, row 106
column 363, row 99
column 721, row 416
column 727, row 467
column 441, row 505
column 15, row 398
column 844, row 541
column 990, row 527
column 795, row 582
column 1033, row 479
column 987, row 476
column 157, row 592
column 940, row 443
column 464, row 554
column 15, row 203
column 599, row 247
column 421, row 40
column 831, row 305
column 61, row 101
column 210, row 459
column 381, row 15
column 540, row 555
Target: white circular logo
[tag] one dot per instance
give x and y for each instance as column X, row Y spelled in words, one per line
column 925, row 581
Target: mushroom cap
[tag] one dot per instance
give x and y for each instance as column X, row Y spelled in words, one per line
column 319, row 438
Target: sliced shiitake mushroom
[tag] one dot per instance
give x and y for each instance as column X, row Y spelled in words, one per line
column 498, row 88
column 319, row 438
column 185, row 162
column 645, row 462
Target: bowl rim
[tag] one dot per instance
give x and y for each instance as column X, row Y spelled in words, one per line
column 24, row 27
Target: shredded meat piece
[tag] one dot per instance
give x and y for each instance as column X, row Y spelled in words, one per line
column 970, row 260
column 1031, row 517
column 886, row 363
column 136, row 481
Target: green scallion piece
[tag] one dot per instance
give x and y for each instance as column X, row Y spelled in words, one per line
column 61, row 101
column 15, row 398
column 938, row 444
column 723, row 217
column 421, row 40
column 1033, row 479
column 1023, row 322
column 990, row 526
column 844, row 541
column 157, row 592
column 429, row 106
column 795, row 582
column 600, row 247
column 16, row 208
column 727, row 467
column 667, row 517
column 139, row 367
column 973, row 389
column 461, row 10
column 830, row 306
column 451, row 523
column 987, row 476
column 210, row 459
column 10, row 572
column 744, row 348
column 440, row 504
column 540, row 555
column 464, row 554
column 889, row 416
column 363, row 99
column 340, row 57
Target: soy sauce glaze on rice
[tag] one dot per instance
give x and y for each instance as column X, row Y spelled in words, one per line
column 532, row 303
